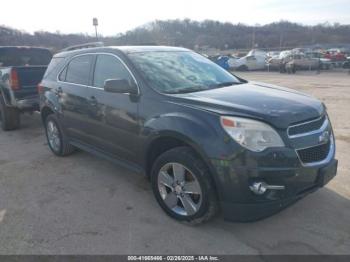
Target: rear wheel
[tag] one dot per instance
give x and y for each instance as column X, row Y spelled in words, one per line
column 182, row 186
column 9, row 117
column 56, row 139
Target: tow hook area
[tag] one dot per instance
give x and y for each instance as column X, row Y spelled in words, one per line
column 259, row 188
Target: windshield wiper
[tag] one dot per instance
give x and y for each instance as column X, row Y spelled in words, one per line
column 201, row 88
column 223, row 84
column 187, row 90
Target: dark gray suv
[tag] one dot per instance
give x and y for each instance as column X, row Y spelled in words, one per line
column 207, row 139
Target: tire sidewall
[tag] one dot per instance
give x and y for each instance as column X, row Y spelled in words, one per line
column 53, row 119
column 200, row 173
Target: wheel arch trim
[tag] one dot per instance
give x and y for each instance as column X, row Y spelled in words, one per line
column 186, row 141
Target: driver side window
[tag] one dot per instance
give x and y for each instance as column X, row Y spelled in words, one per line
column 109, row 67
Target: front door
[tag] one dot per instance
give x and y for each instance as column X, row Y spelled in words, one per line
column 113, row 117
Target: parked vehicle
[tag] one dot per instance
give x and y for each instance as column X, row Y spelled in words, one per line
column 272, row 54
column 324, row 63
column 299, row 61
column 254, row 60
column 302, row 61
column 335, row 55
column 206, row 138
column 276, row 62
column 346, row 64
column 223, row 62
column 21, row 69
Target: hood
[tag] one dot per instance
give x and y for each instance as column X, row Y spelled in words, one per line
column 276, row 105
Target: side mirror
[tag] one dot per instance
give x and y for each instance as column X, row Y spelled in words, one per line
column 121, row 86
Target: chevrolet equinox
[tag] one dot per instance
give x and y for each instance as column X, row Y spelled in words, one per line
column 207, row 139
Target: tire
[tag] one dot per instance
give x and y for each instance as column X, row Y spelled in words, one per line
column 9, row 117
column 202, row 205
column 56, row 139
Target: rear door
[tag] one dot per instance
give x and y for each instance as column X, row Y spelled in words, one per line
column 113, row 118
column 72, row 90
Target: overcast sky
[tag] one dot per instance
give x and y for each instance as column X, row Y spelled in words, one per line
column 72, row 16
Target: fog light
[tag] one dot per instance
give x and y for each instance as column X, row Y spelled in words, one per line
column 260, row 188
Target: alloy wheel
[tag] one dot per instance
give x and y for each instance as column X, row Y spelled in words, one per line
column 179, row 189
column 53, row 136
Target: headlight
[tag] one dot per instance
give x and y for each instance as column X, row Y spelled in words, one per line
column 253, row 135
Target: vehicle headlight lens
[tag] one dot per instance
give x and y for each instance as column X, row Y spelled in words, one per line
column 251, row 134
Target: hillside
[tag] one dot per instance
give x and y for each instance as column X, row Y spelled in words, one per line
column 193, row 34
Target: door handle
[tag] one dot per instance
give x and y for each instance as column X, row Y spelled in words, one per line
column 93, row 101
column 58, row 91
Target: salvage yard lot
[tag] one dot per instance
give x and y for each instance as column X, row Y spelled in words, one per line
column 84, row 205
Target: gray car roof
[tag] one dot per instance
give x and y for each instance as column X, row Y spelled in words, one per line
column 124, row 49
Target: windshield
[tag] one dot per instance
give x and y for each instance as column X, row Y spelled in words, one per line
column 181, row 72
column 17, row 56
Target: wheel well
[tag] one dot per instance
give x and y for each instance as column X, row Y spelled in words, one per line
column 45, row 112
column 163, row 144
column 158, row 147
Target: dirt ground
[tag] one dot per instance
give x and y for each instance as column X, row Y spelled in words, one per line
column 84, row 205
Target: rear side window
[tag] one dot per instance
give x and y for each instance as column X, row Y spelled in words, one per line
column 109, row 67
column 78, row 70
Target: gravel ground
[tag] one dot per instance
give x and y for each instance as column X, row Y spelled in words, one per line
column 84, row 205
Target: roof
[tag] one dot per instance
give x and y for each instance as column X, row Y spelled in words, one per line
column 125, row 49
column 137, row 49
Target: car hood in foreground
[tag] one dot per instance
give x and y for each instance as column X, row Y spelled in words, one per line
column 276, row 105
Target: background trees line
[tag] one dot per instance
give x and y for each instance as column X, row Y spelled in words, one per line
column 196, row 35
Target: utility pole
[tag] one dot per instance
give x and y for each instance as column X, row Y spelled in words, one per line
column 253, row 38
column 95, row 24
column 281, row 40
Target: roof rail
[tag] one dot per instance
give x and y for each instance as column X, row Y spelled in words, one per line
column 82, row 46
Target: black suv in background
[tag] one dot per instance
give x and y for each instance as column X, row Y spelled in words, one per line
column 206, row 138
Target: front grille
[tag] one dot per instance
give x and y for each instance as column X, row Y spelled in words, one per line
column 306, row 127
column 314, row 154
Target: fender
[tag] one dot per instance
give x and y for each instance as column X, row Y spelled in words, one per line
column 50, row 100
column 194, row 131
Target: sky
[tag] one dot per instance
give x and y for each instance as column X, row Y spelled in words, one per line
column 115, row 16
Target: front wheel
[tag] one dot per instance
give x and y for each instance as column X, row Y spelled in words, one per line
column 56, row 139
column 182, row 186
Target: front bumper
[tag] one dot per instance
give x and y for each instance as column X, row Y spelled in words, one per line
column 306, row 163
column 239, row 203
column 254, row 211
